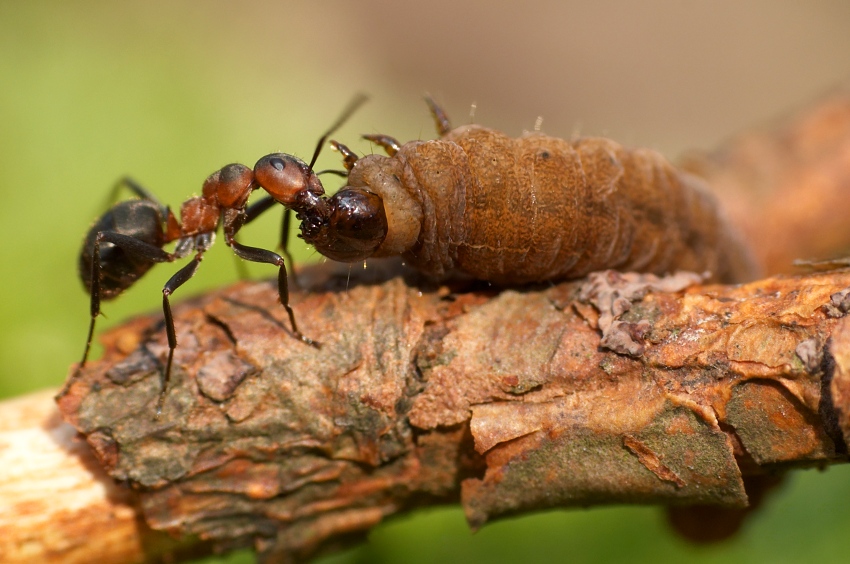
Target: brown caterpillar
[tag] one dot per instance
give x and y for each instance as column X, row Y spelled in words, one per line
column 519, row 210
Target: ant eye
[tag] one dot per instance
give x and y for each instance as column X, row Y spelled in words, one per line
column 277, row 163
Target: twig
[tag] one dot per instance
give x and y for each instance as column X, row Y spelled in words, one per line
column 421, row 397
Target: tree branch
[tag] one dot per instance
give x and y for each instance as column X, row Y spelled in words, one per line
column 421, row 397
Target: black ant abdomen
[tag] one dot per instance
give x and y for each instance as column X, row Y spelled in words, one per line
column 125, row 242
column 140, row 220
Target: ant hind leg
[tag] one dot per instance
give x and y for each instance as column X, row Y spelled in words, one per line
column 135, row 188
column 131, row 246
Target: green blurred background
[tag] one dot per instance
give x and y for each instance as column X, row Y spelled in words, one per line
column 170, row 91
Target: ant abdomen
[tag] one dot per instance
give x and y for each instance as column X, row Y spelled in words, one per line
column 141, row 220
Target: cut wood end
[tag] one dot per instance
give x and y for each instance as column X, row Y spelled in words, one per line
column 56, row 502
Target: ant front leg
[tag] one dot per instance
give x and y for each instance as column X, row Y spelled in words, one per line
column 284, row 243
column 263, row 205
column 255, row 254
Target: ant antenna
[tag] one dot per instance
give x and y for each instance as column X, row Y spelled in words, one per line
column 352, row 106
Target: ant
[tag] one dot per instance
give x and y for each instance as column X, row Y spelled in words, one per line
column 129, row 238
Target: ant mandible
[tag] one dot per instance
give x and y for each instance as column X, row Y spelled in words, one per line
column 129, row 238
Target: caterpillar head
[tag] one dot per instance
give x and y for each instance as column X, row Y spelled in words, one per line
column 353, row 226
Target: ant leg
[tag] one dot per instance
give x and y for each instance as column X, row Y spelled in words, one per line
column 342, row 173
column 389, row 144
column 137, row 189
column 262, row 255
column 284, row 244
column 94, row 309
column 260, row 207
column 251, row 213
column 440, row 117
column 257, row 208
column 180, row 278
column 349, row 157
column 131, row 246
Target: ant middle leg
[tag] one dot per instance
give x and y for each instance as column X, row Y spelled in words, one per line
column 255, row 254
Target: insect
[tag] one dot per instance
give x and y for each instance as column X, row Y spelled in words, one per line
column 129, row 238
column 514, row 211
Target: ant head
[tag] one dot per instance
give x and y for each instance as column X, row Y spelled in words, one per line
column 287, row 179
column 354, row 227
column 230, row 186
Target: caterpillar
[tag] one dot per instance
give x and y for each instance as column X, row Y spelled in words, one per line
column 514, row 211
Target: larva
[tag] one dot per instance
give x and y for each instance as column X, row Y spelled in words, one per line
column 520, row 210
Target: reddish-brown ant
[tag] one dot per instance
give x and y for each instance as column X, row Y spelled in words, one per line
column 129, row 238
